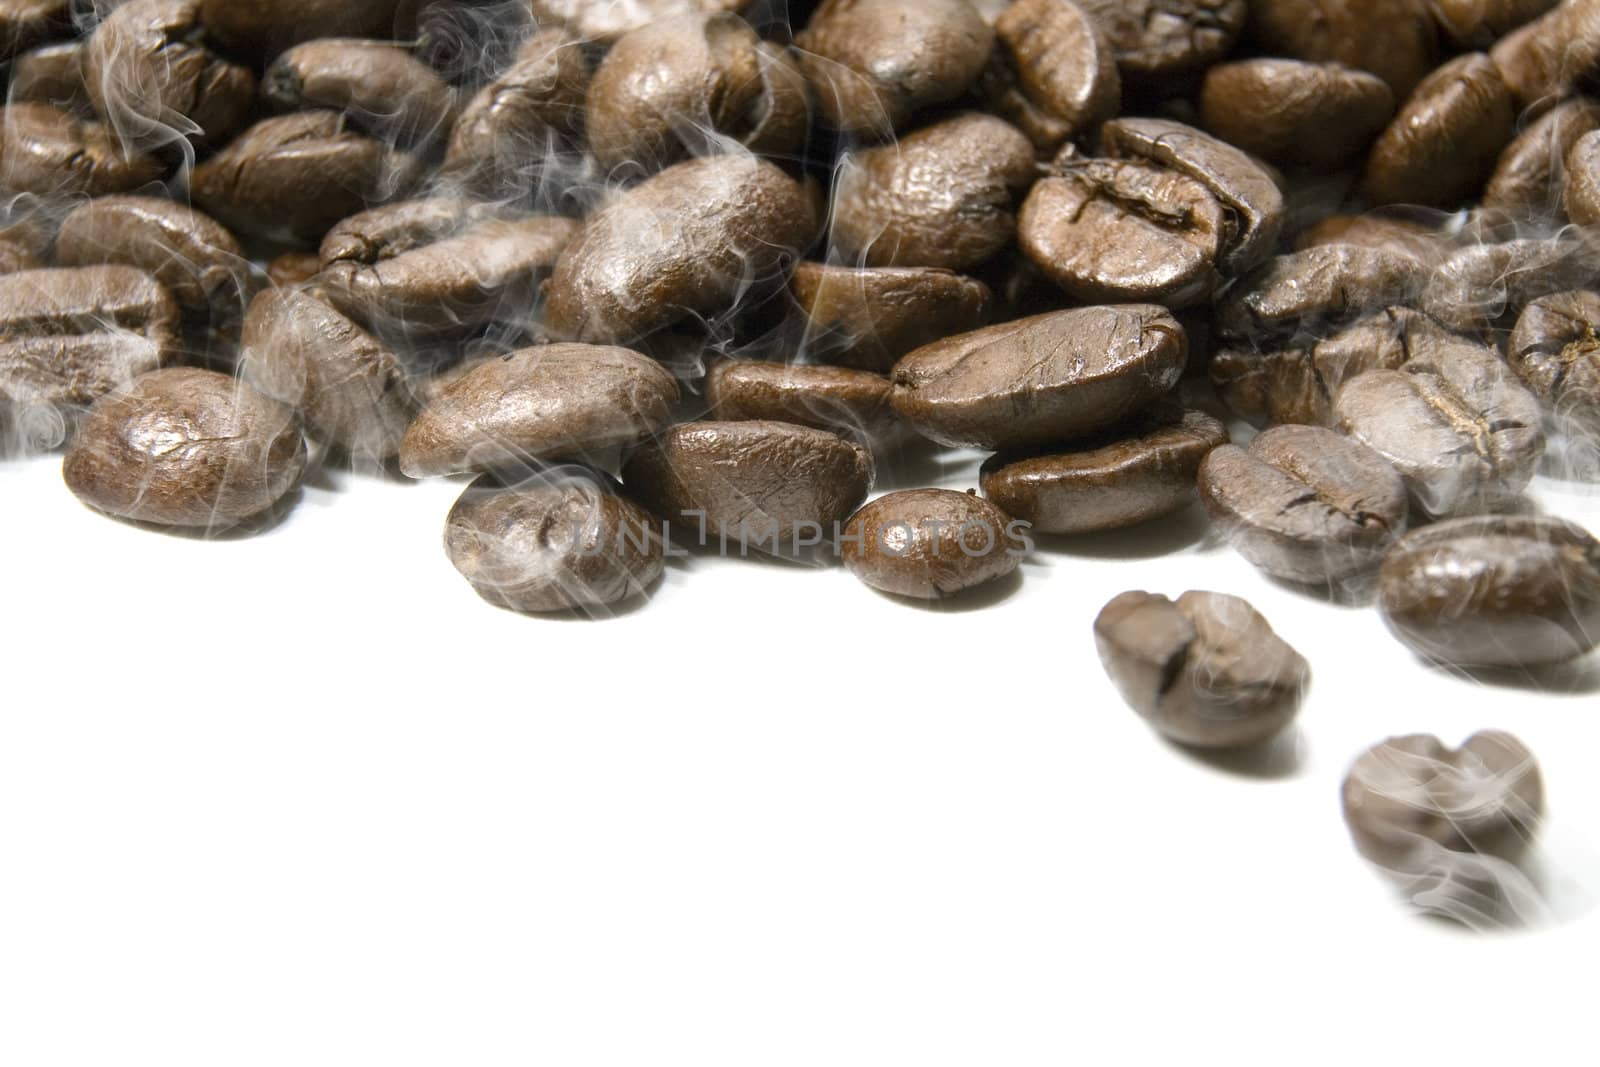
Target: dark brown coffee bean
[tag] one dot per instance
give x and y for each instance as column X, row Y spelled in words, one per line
column 1494, row 591
column 391, row 230
column 607, row 22
column 1305, row 504
column 544, row 402
column 1377, row 231
column 868, row 318
column 1205, row 670
column 1042, row 380
column 679, row 86
column 558, row 540
column 1394, row 39
column 1529, row 177
column 379, row 86
column 1453, row 421
column 292, row 268
column 194, row 256
column 686, row 243
column 269, row 26
column 25, row 23
column 1293, row 113
column 1555, row 350
column 1448, row 825
column 350, row 388
column 185, row 447
column 51, row 74
column 53, row 153
column 1057, row 76
column 930, row 544
column 944, row 196
column 1154, row 39
column 1581, row 195
column 771, row 486
column 851, row 402
column 1484, row 283
column 1327, row 283
column 24, row 244
column 63, row 301
column 1479, row 23
column 1142, row 470
column 1552, row 55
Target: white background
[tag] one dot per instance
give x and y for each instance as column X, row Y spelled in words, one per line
column 305, row 799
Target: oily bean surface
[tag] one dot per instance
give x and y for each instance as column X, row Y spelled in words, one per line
column 1294, row 113
column 869, row 317
column 851, row 402
column 381, row 87
column 1393, row 39
column 1156, row 38
column 1531, row 172
column 1061, row 63
column 929, row 544
column 1555, row 350
column 53, row 153
column 1552, row 55
column 1324, row 283
column 1485, row 283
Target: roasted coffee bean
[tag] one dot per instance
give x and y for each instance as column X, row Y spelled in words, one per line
column 1293, row 113
column 679, row 86
column 52, row 153
column 185, row 447
column 1479, row 23
column 1553, row 54
column 875, row 63
column 470, row 42
column 1442, row 146
column 379, row 86
column 558, row 540
column 868, row 318
column 1305, row 504
column 944, row 196
column 1306, row 290
column 269, row 26
column 1377, row 231
column 24, row 244
column 1205, row 670
column 1394, row 39
column 1056, row 74
column 294, row 176
column 292, row 268
column 51, row 74
column 489, row 272
column 1142, row 470
column 1453, row 420
column 771, row 486
column 1494, row 591
column 930, row 544
column 545, row 402
column 194, row 256
column 391, row 230
column 686, row 243
column 25, row 23
column 1485, row 283
column 1042, row 380
column 851, row 402
column 154, row 82
column 1529, row 177
column 350, row 388
column 1555, row 350
column 1449, row 825
column 1581, row 194
column 1154, row 39
column 607, row 22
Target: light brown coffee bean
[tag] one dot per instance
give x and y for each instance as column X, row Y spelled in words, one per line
column 870, row 317
column 930, row 544
column 1293, row 113
column 52, row 153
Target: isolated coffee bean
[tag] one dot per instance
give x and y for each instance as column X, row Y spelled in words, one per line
column 1056, row 73
column 269, row 26
column 944, row 196
column 1293, row 113
column 1485, row 283
column 25, row 23
column 558, row 540
column 544, row 402
column 1042, row 380
column 1153, row 39
column 185, row 447
column 194, row 256
column 677, row 87
column 381, row 87
column 1305, row 504
column 1205, row 670
column 52, row 153
column 1449, row 825
column 1453, row 421
column 1530, row 174
column 684, row 244
column 769, row 486
column 292, row 268
column 605, row 22
column 870, row 317
column 1139, row 471
column 1581, row 195
column 1550, row 56
column 1494, row 591
column 930, row 544
column 1555, row 350
column 875, row 63
column 1393, row 39
column 1327, row 283
column 850, row 402
column 51, row 74
column 350, row 388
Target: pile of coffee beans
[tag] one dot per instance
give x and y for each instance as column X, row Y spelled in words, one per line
column 694, row 272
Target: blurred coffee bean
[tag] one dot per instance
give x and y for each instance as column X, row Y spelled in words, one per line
column 1485, row 283
column 1529, row 177
column 854, row 403
column 51, row 74
column 868, row 318
column 1052, row 73
column 1555, row 350
column 1393, row 39
column 25, row 23
column 266, row 27
column 1293, row 113
column 1324, row 284
column 52, row 153
column 1479, row 23
column 1377, row 231
column 292, row 268
column 1581, row 194
column 605, row 22
column 1155, row 39
column 1553, row 55
column 930, row 544
column 380, row 87
column 471, row 42
column 24, row 244
column 391, row 230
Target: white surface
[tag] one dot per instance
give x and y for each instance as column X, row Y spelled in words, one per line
column 305, row 799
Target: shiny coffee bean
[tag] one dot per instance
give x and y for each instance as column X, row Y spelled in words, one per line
column 1205, row 670
column 1581, row 195
column 1142, row 470
column 1305, row 504
column 1327, row 283
column 1042, row 380
column 1293, row 113
column 1377, row 231
column 1494, row 591
column 381, row 87
column 1154, row 39
column 870, row 317
column 1393, row 39
column 51, row 74
column 185, row 447
column 52, row 153
column 1531, row 172
column 1555, row 350
column 1479, row 23
column 1057, row 77
column 268, row 26
column 391, row 230
column 930, row 544
column 1552, row 55
column 604, row 23
column 558, row 540
column 850, row 402
column 1484, row 283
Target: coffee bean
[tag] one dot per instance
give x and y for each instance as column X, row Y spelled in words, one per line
column 1142, row 470
column 870, row 317
column 1293, row 113
column 1041, row 380
column 1581, row 195
column 194, row 256
column 684, row 244
column 1552, row 55
column 930, row 544
column 771, row 486
column 1555, row 350
column 678, row 86
column 558, row 540
column 379, row 86
column 390, row 230
column 51, row 74
column 1484, row 283
column 473, row 42
column 605, row 23
column 1377, row 231
column 24, row 244
column 53, row 153
column 1306, row 290
column 1479, row 23
column 875, row 63
column 25, row 23
column 269, row 26
column 292, row 268
column 1305, row 504
column 1154, row 39
column 350, row 388
column 185, row 447
column 944, row 196
column 1205, row 670
column 854, row 403
column 1531, row 172
column 1057, row 75
column 1391, row 38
